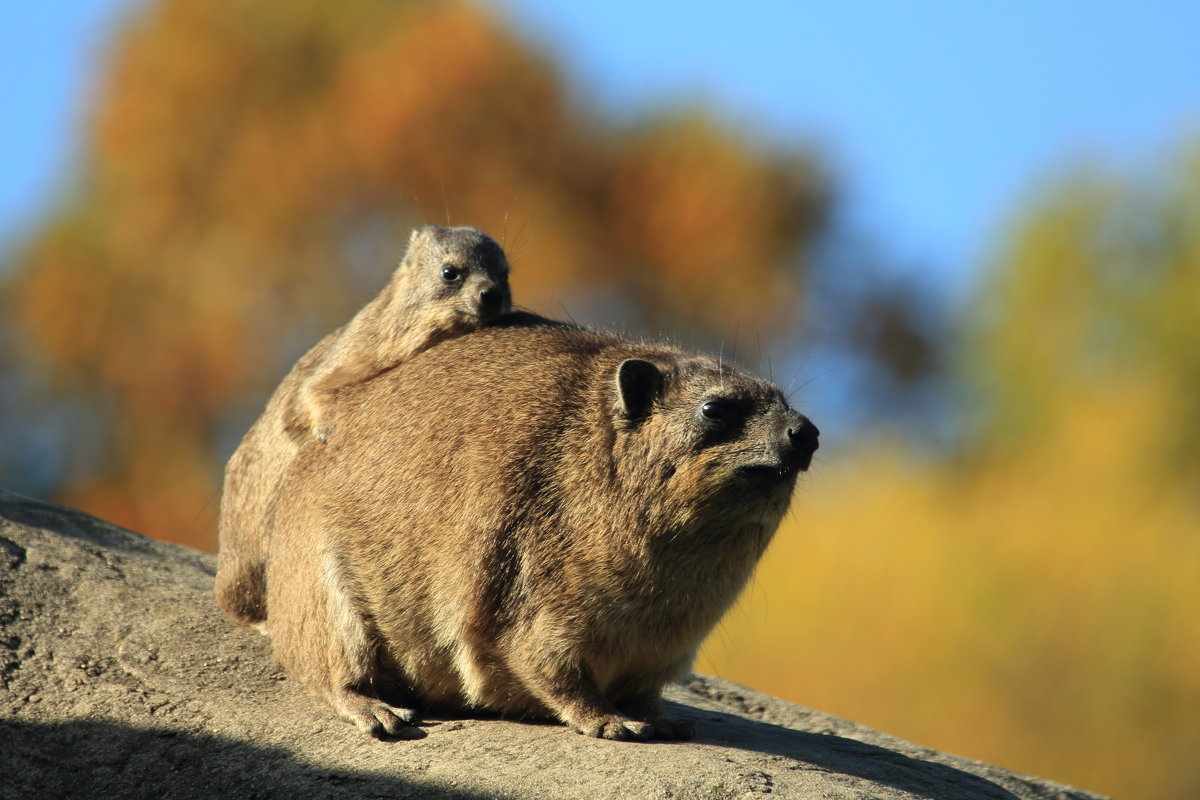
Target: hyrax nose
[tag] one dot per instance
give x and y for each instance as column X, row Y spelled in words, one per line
column 490, row 300
column 803, row 437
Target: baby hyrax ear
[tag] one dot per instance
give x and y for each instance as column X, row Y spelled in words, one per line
column 639, row 384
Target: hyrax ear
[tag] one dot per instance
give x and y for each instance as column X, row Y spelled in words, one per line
column 639, row 383
column 418, row 237
column 418, row 242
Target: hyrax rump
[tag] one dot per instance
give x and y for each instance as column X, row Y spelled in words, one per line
column 450, row 281
column 531, row 519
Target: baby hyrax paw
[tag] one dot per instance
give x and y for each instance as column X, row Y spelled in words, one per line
column 323, row 431
column 321, row 424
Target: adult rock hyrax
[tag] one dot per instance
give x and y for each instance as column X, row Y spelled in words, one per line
column 450, row 281
column 530, row 519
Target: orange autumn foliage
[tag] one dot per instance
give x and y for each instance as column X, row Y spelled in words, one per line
column 250, row 177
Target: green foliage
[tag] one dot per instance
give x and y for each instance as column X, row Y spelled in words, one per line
column 1099, row 285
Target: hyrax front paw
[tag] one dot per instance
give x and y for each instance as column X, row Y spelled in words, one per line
column 620, row 729
column 378, row 719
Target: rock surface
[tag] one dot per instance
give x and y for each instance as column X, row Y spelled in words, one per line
column 120, row 678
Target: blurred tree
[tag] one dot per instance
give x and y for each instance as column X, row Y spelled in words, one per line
column 250, row 176
column 1036, row 593
column 1097, row 293
column 886, row 338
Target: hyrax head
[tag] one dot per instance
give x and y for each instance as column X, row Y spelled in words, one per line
column 460, row 272
column 710, row 439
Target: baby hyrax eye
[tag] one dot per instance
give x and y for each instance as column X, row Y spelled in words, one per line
column 715, row 411
column 450, row 273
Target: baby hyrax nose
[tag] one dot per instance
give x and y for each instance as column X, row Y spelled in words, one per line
column 803, row 436
column 491, row 300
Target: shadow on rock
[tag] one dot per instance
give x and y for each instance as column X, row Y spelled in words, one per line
column 836, row 754
column 86, row 759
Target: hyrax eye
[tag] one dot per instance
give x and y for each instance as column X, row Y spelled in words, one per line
column 450, row 274
column 715, row 411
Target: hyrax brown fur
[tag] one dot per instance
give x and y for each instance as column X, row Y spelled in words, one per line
column 530, row 519
column 450, row 281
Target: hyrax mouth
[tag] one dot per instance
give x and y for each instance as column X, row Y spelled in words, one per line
column 767, row 472
column 765, row 475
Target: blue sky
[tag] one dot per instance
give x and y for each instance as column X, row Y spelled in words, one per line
column 48, row 56
column 937, row 116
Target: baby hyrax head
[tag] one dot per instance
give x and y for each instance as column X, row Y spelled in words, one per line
column 458, row 275
column 727, row 444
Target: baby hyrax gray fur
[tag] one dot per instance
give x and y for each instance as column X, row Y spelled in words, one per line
column 450, row 281
column 530, row 519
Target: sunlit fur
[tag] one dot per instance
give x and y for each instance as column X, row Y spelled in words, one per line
column 520, row 531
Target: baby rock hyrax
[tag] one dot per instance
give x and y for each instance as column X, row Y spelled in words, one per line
column 531, row 519
column 450, row 281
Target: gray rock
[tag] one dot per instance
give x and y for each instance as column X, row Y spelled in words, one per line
column 120, row 678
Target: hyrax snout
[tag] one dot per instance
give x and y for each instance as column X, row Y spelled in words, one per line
column 792, row 446
column 530, row 519
column 461, row 276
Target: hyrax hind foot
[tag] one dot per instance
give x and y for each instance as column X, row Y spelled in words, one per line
column 376, row 718
column 624, row 729
column 617, row 728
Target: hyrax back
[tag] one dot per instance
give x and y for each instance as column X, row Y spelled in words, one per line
column 531, row 519
column 450, row 281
